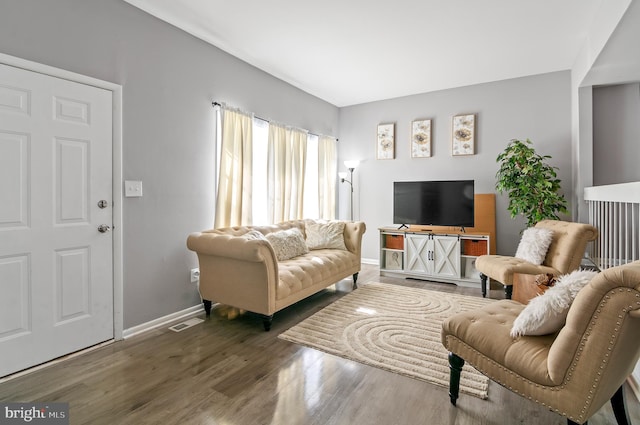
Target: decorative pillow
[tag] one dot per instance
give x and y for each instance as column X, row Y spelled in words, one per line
column 254, row 235
column 534, row 245
column 547, row 313
column 287, row 243
column 325, row 235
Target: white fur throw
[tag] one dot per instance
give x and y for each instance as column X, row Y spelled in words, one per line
column 287, row 243
column 325, row 235
column 547, row 313
column 534, row 245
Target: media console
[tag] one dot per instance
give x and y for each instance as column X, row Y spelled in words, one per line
column 432, row 255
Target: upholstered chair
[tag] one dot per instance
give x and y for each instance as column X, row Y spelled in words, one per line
column 563, row 255
column 573, row 371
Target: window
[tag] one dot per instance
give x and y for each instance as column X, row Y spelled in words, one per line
column 258, row 198
column 259, row 212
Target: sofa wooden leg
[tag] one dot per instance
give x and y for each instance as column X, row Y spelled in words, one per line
column 508, row 291
column 355, row 279
column 455, row 367
column 483, row 284
column 266, row 322
column 619, row 407
column 207, row 307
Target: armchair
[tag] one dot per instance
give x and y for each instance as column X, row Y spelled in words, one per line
column 573, row 371
column 563, row 256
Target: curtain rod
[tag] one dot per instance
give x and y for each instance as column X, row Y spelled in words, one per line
column 214, row 104
column 255, row 116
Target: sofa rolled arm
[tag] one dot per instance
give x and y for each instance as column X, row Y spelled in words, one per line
column 230, row 246
column 353, row 232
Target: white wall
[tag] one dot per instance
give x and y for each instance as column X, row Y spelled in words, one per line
column 169, row 80
column 536, row 107
column 616, row 134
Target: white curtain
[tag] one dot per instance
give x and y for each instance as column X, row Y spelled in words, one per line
column 327, row 169
column 285, row 173
column 233, row 200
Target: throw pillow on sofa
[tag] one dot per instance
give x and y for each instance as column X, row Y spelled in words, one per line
column 534, row 245
column 547, row 313
column 287, row 243
column 325, row 235
column 253, row 235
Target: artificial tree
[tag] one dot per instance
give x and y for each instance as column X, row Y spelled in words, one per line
column 531, row 184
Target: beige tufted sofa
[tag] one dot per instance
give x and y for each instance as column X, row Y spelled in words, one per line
column 564, row 255
column 572, row 372
column 245, row 273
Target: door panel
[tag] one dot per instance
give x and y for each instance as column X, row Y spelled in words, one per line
column 14, row 175
column 72, row 185
column 447, row 256
column 72, row 284
column 419, row 248
column 15, row 310
column 56, row 269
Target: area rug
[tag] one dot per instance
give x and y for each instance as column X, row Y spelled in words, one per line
column 392, row 327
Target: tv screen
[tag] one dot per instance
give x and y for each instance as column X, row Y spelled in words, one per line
column 434, row 203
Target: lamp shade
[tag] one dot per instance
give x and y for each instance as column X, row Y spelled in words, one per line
column 352, row 163
column 342, row 174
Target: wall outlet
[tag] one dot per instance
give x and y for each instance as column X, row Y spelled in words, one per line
column 195, row 275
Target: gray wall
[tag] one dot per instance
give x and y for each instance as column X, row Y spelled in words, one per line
column 169, row 79
column 538, row 108
column 616, row 126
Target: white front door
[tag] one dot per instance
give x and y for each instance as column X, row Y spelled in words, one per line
column 56, row 267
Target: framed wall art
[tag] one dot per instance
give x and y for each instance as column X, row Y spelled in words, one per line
column 463, row 140
column 421, row 139
column 385, row 143
column 393, row 260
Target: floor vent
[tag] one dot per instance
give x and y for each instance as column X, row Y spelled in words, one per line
column 186, row 324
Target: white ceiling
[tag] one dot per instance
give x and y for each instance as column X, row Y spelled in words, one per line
column 355, row 51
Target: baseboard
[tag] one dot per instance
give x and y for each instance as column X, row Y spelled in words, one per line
column 162, row 321
column 371, row 261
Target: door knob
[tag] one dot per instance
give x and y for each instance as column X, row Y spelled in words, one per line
column 103, row 228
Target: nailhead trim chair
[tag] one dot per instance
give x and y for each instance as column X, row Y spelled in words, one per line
column 573, row 372
column 563, row 256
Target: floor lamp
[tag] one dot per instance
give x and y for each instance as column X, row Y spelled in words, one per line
column 351, row 165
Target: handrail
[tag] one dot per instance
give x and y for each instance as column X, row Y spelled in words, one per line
column 622, row 192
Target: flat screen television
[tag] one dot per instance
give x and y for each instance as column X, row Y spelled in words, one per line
column 434, row 203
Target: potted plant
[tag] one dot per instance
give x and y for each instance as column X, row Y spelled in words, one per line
column 531, row 184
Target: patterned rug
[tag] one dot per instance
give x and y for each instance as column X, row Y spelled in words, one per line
column 392, row 327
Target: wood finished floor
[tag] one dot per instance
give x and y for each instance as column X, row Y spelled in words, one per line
column 231, row 372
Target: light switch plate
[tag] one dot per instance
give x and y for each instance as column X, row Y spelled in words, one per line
column 132, row 188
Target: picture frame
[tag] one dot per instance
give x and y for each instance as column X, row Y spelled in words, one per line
column 385, row 141
column 421, row 138
column 393, row 260
column 470, row 270
column 463, row 136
